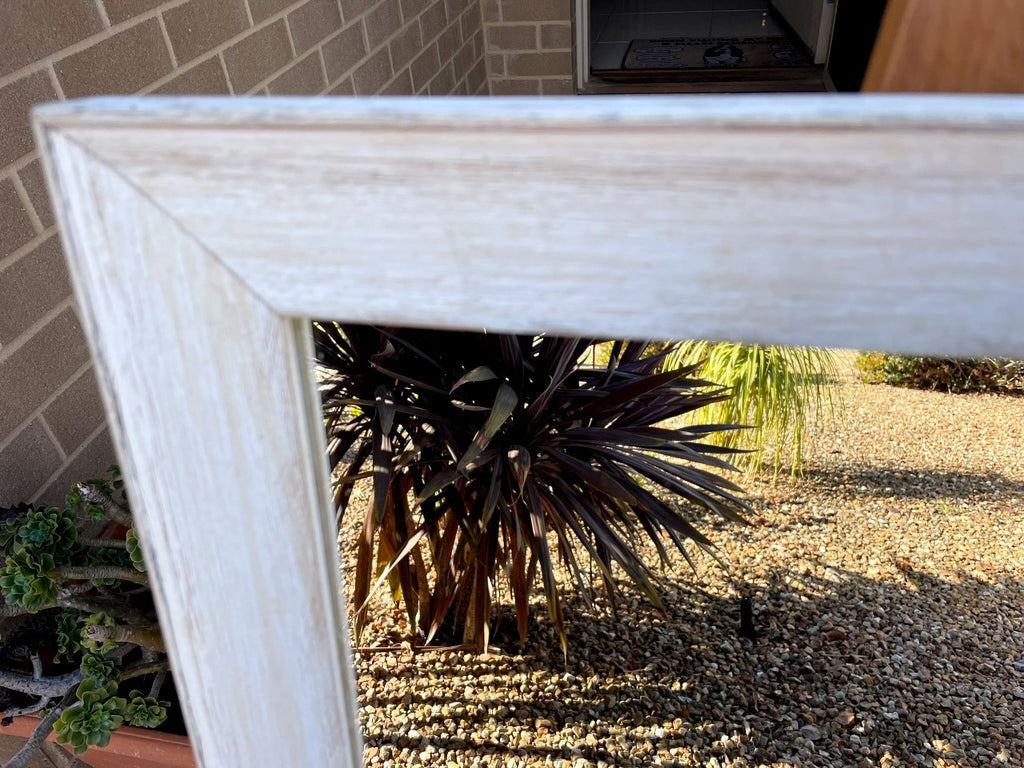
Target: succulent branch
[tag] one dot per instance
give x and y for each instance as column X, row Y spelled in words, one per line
column 60, row 757
column 28, row 709
column 94, row 572
column 157, row 684
column 48, row 686
column 149, row 668
column 41, row 732
column 92, row 495
column 37, row 665
column 121, row 611
column 102, row 543
column 143, row 636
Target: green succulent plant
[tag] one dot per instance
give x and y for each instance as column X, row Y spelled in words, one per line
column 134, row 549
column 145, row 711
column 26, row 579
column 101, row 672
column 90, row 723
column 11, row 524
column 48, row 530
column 94, row 646
column 69, row 636
column 93, row 607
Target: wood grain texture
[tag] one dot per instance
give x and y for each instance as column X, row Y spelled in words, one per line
column 200, row 233
column 949, row 46
column 850, row 222
column 224, row 460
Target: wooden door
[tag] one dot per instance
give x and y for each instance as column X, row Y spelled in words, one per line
column 949, row 46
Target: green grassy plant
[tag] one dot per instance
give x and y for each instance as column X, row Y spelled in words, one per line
column 776, row 391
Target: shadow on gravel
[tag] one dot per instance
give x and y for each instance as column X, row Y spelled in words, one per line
column 913, row 670
column 887, row 482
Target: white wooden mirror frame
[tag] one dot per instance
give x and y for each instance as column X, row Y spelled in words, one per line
column 202, row 233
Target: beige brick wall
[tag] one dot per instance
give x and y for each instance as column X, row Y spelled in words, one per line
column 529, row 46
column 52, row 430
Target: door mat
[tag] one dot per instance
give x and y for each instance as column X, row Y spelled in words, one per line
column 715, row 53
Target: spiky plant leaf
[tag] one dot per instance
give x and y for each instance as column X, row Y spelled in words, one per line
column 515, row 456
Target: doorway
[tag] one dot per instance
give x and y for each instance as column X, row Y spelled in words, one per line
column 703, row 45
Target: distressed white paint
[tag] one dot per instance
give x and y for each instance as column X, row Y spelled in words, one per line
column 201, row 232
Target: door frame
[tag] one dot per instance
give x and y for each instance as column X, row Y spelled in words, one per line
column 581, row 26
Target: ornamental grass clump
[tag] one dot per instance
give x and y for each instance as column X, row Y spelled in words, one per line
column 491, row 456
column 776, row 391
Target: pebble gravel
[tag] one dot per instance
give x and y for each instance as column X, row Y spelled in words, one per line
column 887, row 586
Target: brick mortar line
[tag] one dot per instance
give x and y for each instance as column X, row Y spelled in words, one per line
column 53, row 438
column 167, row 41
column 27, row 335
column 20, row 253
column 89, row 42
column 323, row 65
column 26, row 203
column 437, row 37
column 361, row 19
column 103, row 13
column 197, row 62
column 469, row 42
column 254, row 91
column 248, row 13
column 51, row 70
column 38, row 412
column 99, row 37
column 371, row 52
column 332, row 84
column 224, row 69
column 333, row 35
column 20, row 164
column 408, row 66
column 503, row 51
column 291, row 37
column 69, row 461
column 220, row 49
column 465, row 79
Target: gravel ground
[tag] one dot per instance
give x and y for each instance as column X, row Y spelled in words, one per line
column 888, row 593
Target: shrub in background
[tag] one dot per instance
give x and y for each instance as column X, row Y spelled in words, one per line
column 943, row 374
column 487, row 449
column 777, row 391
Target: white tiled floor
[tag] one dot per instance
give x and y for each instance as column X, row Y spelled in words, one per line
column 614, row 23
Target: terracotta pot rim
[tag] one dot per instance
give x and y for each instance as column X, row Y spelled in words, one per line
column 129, row 746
